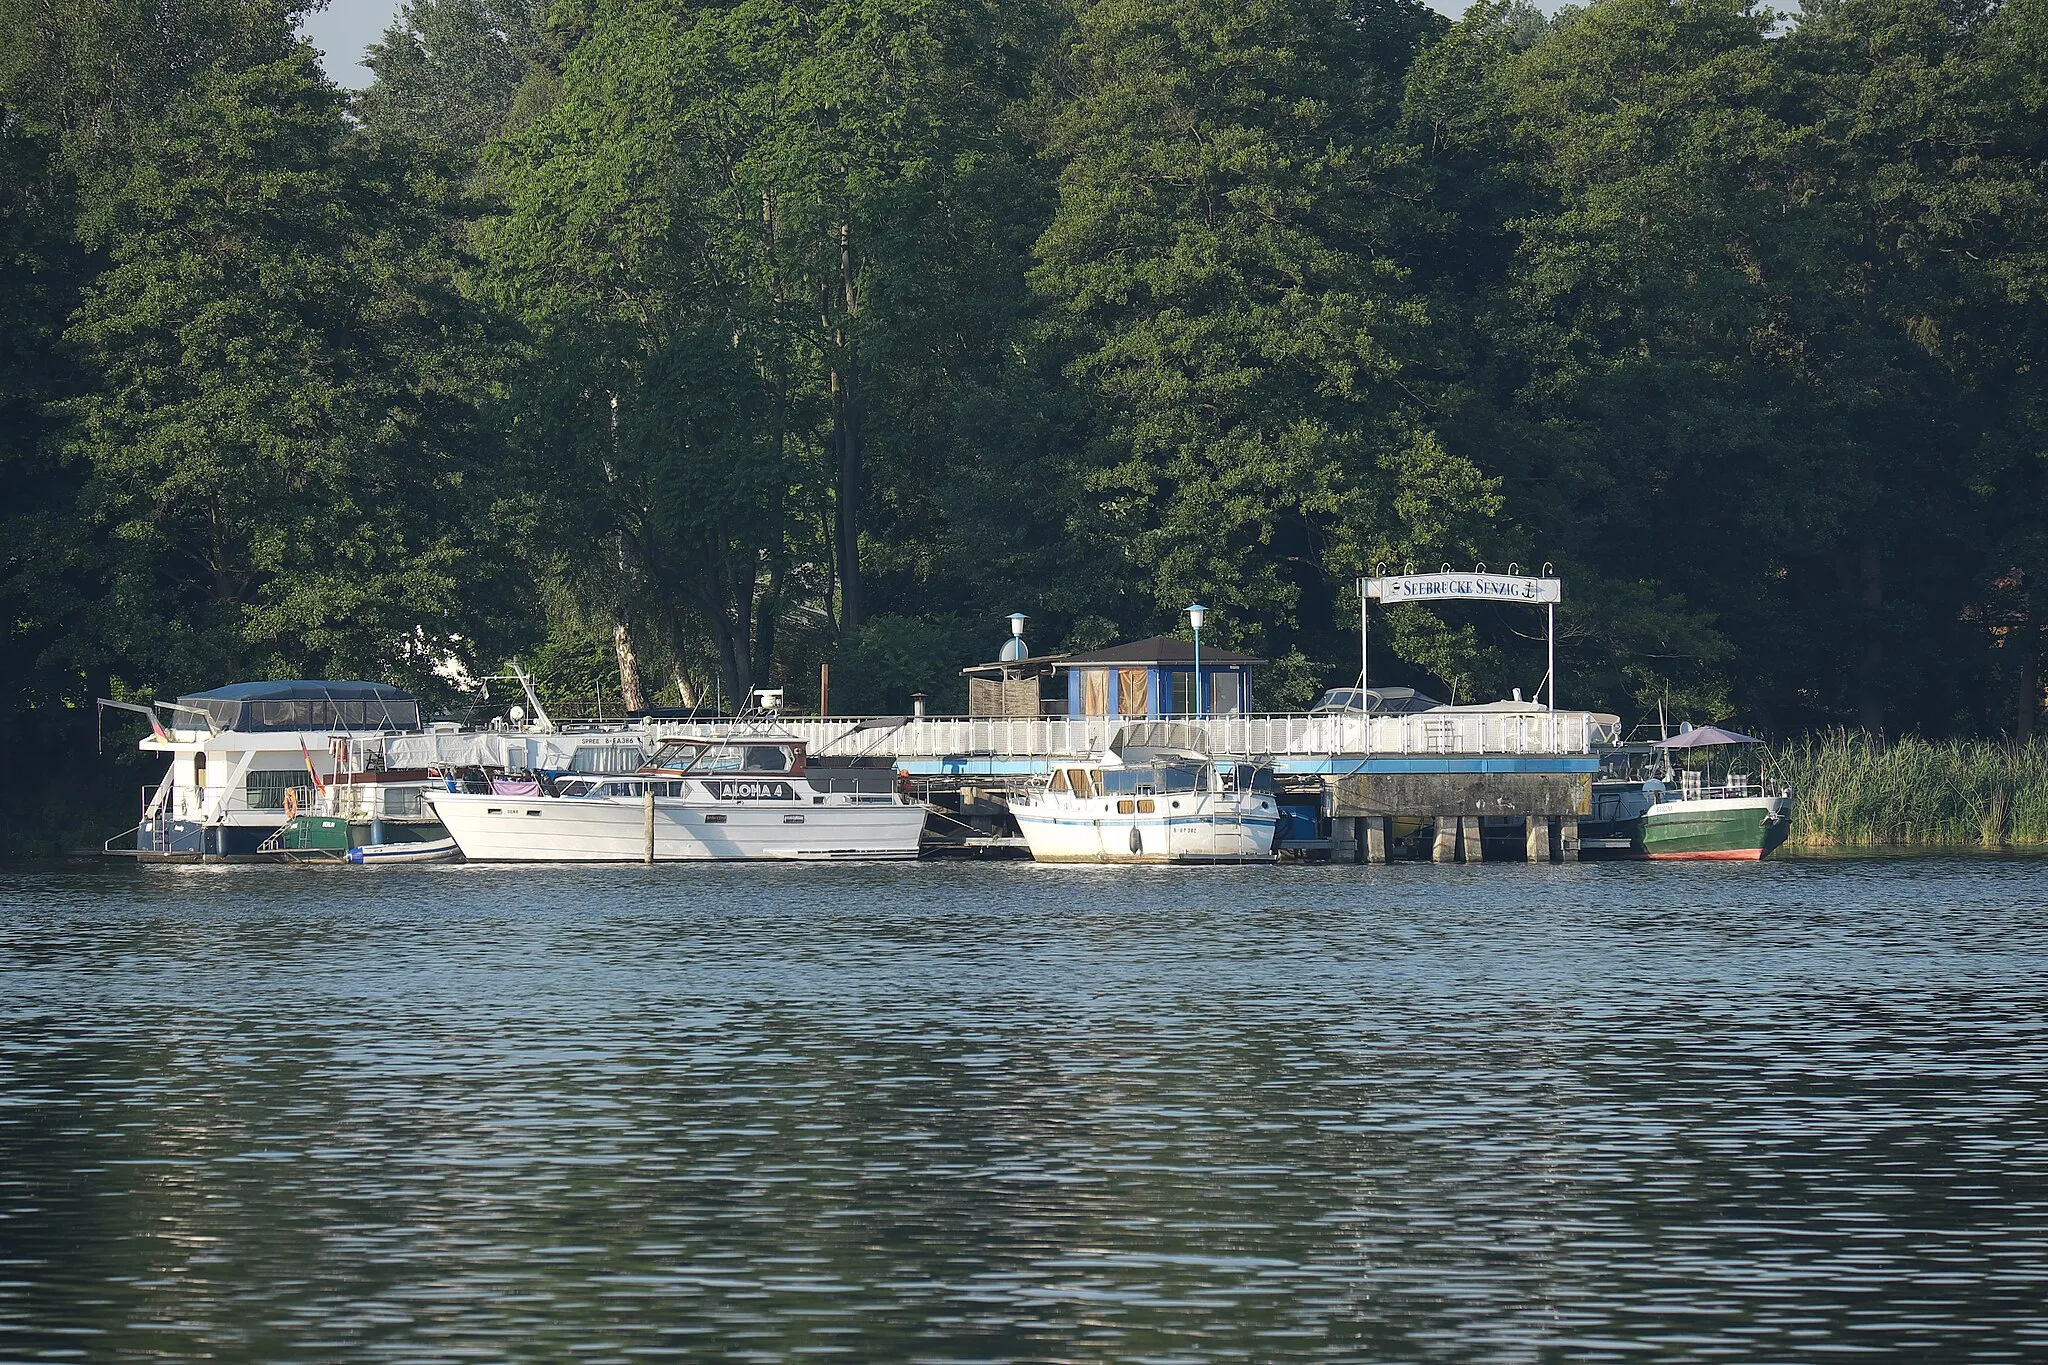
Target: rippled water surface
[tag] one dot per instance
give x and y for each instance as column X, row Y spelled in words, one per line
column 996, row 1111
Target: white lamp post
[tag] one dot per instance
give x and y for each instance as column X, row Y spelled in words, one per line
column 1196, row 615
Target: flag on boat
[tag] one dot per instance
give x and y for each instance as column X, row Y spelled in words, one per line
column 304, row 752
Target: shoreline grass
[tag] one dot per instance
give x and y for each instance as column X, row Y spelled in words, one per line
column 1849, row 791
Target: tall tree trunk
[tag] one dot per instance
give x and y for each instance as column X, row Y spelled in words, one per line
column 766, row 608
column 846, row 442
column 630, row 691
column 727, row 609
column 632, row 695
column 846, row 537
column 1870, row 680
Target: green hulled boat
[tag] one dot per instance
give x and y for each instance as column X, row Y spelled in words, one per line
column 1737, row 818
column 1717, row 826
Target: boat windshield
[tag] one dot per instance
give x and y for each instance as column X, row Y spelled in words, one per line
column 1249, row 777
column 735, row 757
column 1154, row 779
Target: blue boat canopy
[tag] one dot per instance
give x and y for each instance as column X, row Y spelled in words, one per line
column 306, row 705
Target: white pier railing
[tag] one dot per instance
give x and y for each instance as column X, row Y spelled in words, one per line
column 1520, row 732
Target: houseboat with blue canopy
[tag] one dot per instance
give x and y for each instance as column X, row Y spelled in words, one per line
column 283, row 770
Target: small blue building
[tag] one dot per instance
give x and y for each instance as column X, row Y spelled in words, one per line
column 1156, row 677
column 1148, row 678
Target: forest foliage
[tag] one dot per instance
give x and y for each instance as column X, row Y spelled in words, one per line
column 681, row 346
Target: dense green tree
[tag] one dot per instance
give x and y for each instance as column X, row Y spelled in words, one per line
column 449, row 71
column 281, row 426
column 40, row 268
column 744, row 223
column 1221, row 272
column 1732, row 320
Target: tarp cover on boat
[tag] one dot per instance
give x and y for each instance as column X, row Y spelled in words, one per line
column 603, row 752
column 306, row 705
column 1704, row 737
column 1140, row 741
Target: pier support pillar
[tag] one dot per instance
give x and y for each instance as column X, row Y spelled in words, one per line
column 1469, row 836
column 1568, row 838
column 1344, row 839
column 1445, row 847
column 1376, row 831
column 1536, row 838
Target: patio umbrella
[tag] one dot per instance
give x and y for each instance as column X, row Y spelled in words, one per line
column 1703, row 737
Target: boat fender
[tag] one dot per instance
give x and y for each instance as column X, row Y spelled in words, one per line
column 1137, row 840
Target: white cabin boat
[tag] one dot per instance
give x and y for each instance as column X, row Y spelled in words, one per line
column 694, row 800
column 246, row 758
column 1151, row 802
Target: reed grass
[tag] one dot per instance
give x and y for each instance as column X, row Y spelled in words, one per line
column 1849, row 791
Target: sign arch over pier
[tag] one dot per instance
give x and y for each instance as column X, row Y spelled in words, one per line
column 1450, row 586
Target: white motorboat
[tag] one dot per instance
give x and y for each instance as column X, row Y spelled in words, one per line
column 1154, row 799
column 694, row 800
column 289, row 770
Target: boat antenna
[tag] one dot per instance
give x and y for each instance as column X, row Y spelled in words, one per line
column 541, row 720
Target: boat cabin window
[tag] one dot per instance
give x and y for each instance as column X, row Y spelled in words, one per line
column 1249, row 777
column 639, row 788
column 578, row 788
column 1079, row 780
column 1059, row 781
column 1150, row 781
column 697, row 757
column 265, row 788
column 311, row 712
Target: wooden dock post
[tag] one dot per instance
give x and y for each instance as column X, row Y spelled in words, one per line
column 1444, row 849
column 1568, row 838
column 1468, row 827
column 647, row 819
column 1536, row 838
column 1376, row 832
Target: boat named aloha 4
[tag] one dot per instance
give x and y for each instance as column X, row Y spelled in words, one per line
column 1155, row 799
column 1726, row 817
column 693, row 800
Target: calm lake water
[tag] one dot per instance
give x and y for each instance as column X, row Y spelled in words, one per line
column 995, row 1111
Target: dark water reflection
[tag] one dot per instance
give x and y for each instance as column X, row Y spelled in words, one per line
column 979, row 1112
